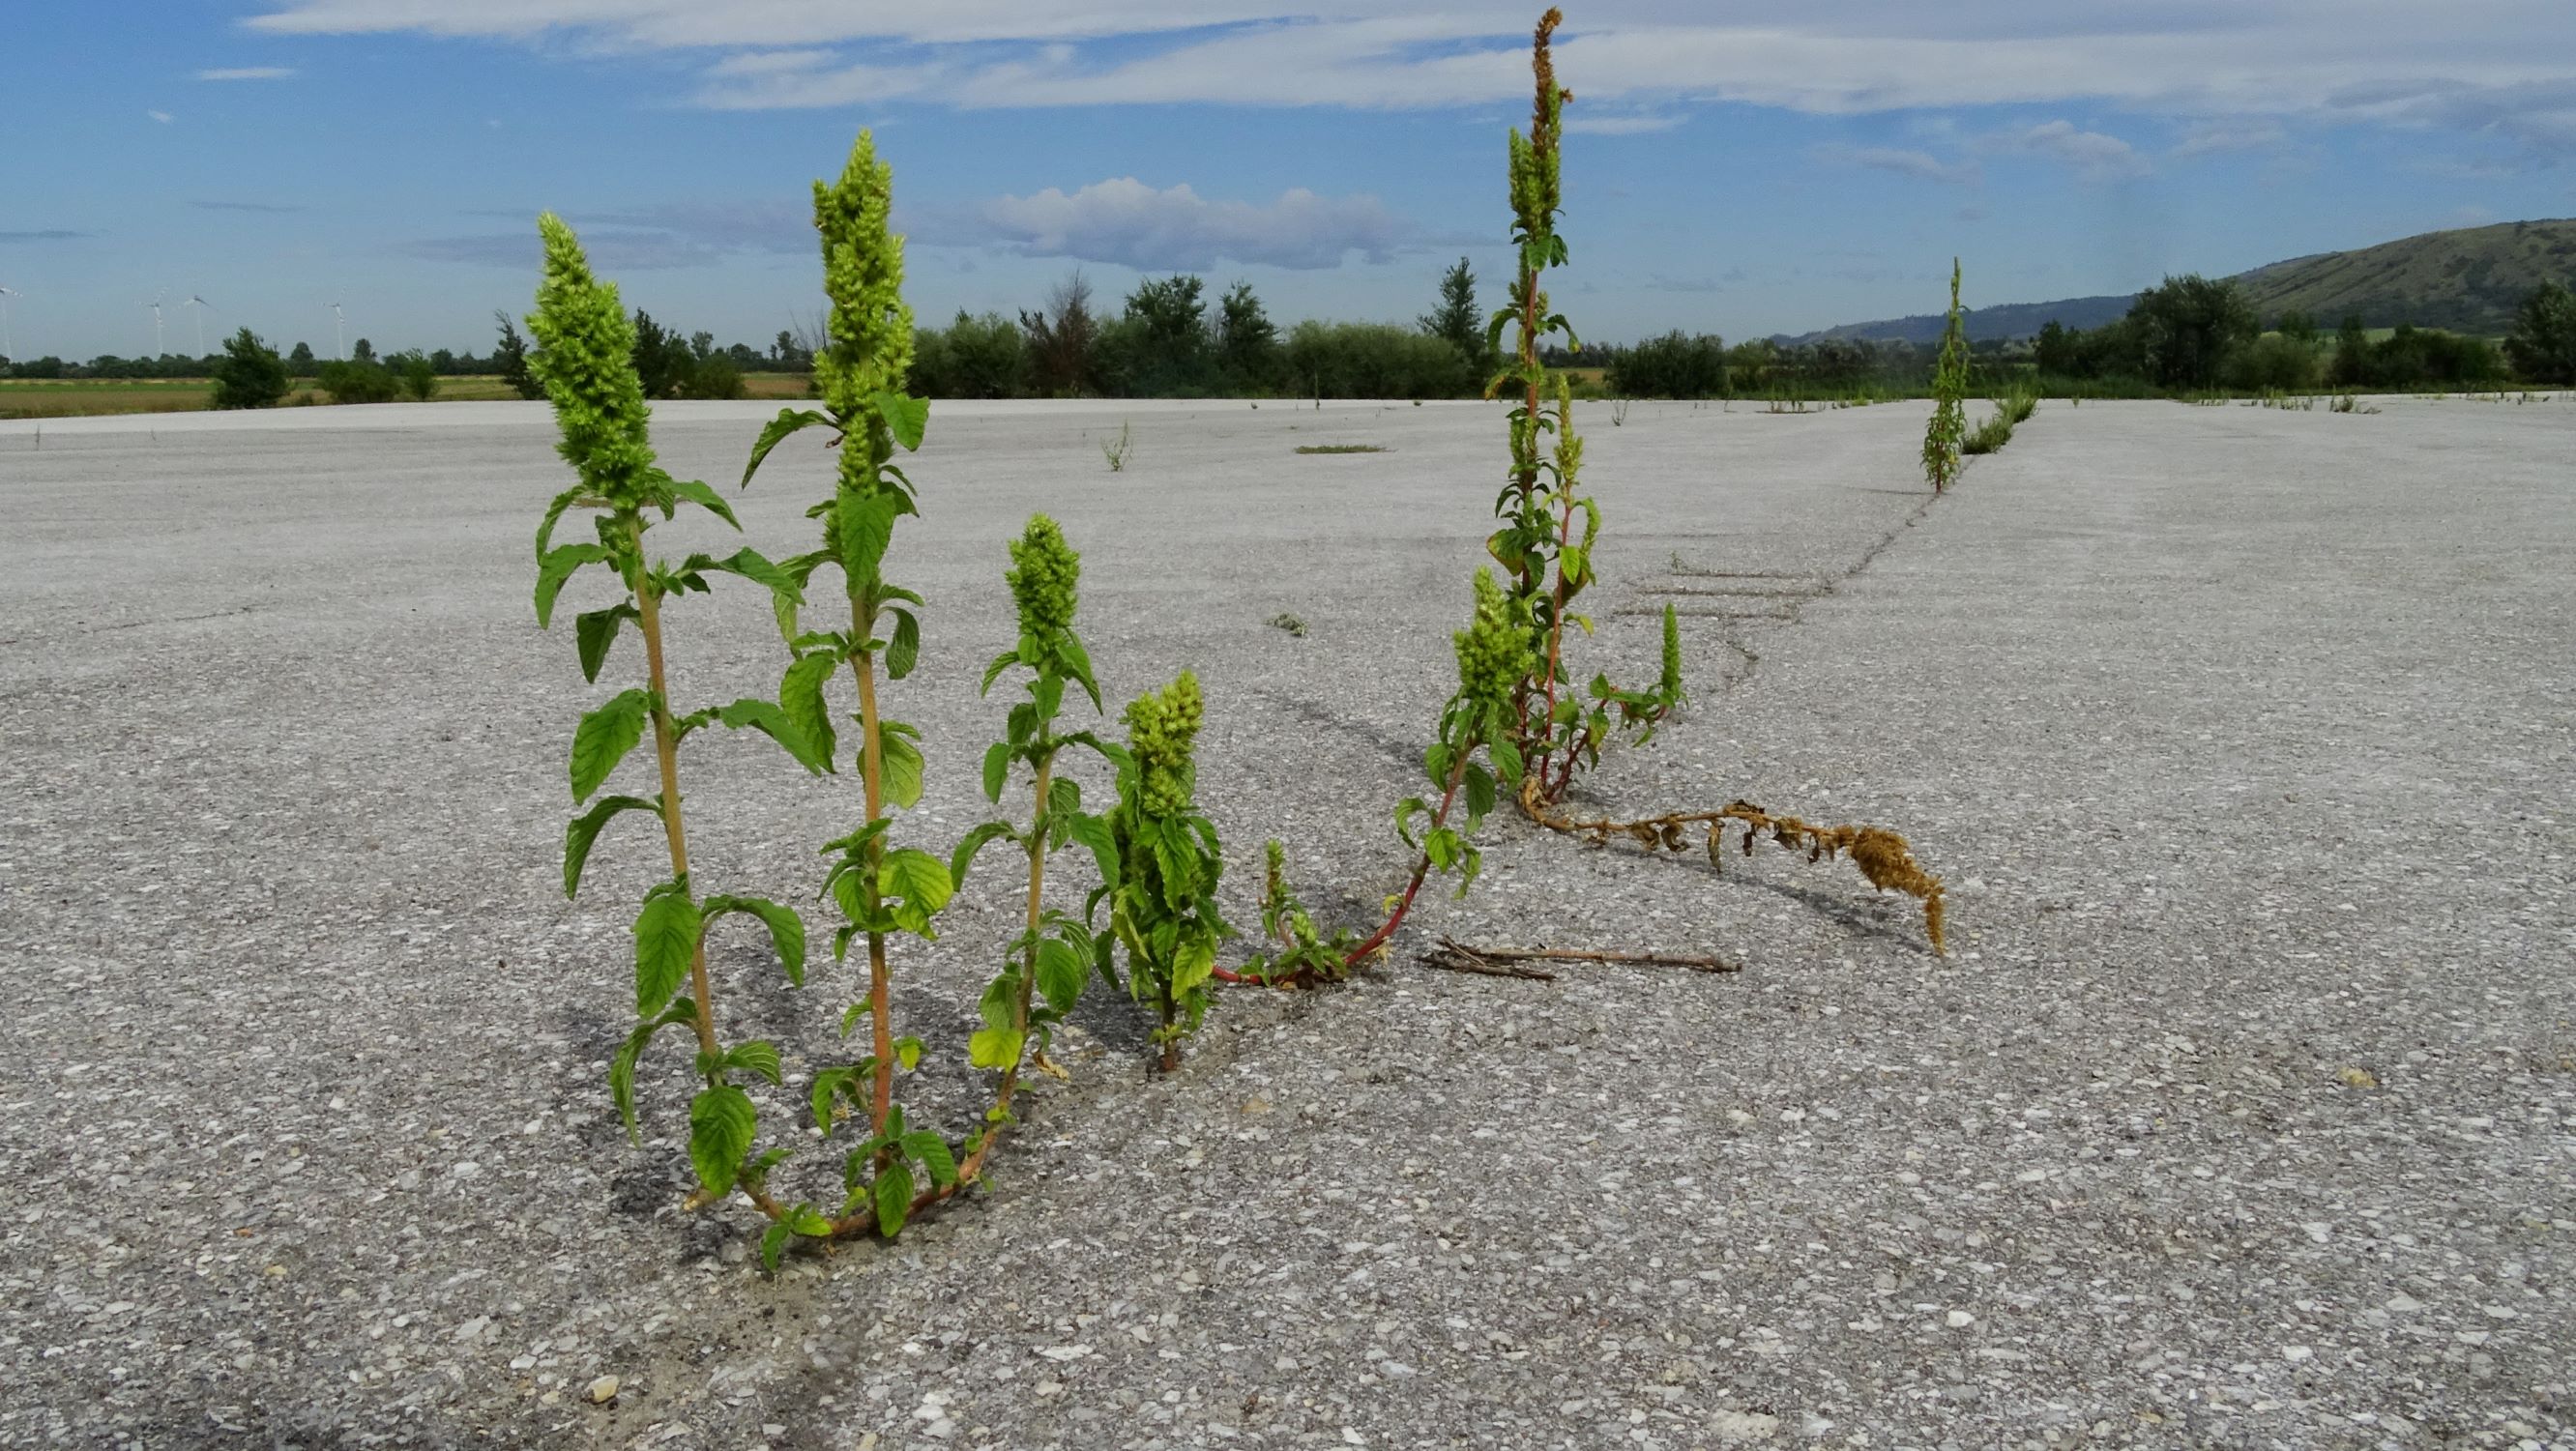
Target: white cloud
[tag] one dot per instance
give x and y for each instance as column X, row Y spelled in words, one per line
column 161, row 116
column 2094, row 155
column 1581, row 125
column 1921, row 164
column 2220, row 136
column 2497, row 65
column 249, row 73
column 1125, row 222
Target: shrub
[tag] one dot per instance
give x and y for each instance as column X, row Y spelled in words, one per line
column 249, row 374
column 510, row 359
column 1676, row 365
column 2543, row 343
column 357, row 382
column 415, row 375
column 2273, row 362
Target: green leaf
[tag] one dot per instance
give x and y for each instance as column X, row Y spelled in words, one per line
column 1078, row 664
column 919, row 878
column 997, row 770
column 621, row 1068
column 721, row 1124
column 1094, row 832
column 788, row 421
column 597, row 630
column 994, row 1047
column 1061, row 974
column 752, row 565
column 907, row 1053
column 1480, row 793
column 828, row 1084
column 696, row 492
column 554, row 567
column 1064, row 797
column 933, row 1152
column 960, row 859
column 905, row 648
column 805, row 1219
column 554, row 514
column 993, row 672
column 755, row 1057
column 604, row 737
column 867, row 526
column 905, row 416
column 800, row 694
column 786, row 929
column 893, row 1195
column 666, row 941
column 584, row 829
column 898, row 768
column 1507, row 761
column 775, row 722
column 773, row 1243
column 1193, row 965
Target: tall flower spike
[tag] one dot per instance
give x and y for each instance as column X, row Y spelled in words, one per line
column 1044, row 574
column 585, row 358
column 870, row 325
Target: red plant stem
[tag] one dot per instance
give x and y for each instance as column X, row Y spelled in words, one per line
column 1421, row 868
column 1556, row 636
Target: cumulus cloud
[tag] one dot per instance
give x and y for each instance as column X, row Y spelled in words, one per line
column 2094, row 155
column 1128, row 223
column 161, row 116
column 248, row 73
column 1922, row 164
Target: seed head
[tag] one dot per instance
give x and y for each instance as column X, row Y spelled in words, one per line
column 1044, row 574
column 1161, row 730
column 1494, row 651
column 871, row 327
column 585, row 357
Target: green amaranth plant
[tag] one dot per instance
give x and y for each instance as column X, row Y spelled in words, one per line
column 1543, row 734
column 584, row 361
column 1046, row 966
column 1943, row 436
column 880, row 890
column 1161, row 895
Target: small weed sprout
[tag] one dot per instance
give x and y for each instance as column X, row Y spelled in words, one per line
column 1943, row 436
column 1295, row 627
column 1618, row 413
column 1116, row 450
column 584, row 361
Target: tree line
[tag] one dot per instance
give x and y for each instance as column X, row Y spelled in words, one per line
column 1169, row 338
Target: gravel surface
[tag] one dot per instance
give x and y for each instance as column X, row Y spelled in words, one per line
column 2240, row 1115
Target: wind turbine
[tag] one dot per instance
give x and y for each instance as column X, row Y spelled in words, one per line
column 155, row 305
column 202, row 306
column 5, row 294
column 340, row 331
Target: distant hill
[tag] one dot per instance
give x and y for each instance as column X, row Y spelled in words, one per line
column 2470, row 280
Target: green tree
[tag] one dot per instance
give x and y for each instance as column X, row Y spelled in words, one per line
column 1460, row 322
column 2299, row 327
column 1062, row 337
column 661, row 357
column 366, row 382
column 2543, row 342
column 510, row 359
column 1247, row 341
column 2187, row 325
column 2053, row 352
column 300, row 363
column 415, row 375
column 364, row 352
column 249, row 374
column 2352, row 361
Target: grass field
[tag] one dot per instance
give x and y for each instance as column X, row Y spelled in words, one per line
column 91, row 397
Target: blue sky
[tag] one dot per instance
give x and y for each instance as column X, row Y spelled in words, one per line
column 1737, row 168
